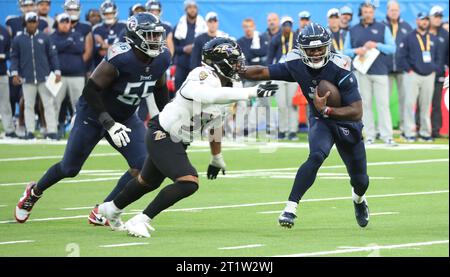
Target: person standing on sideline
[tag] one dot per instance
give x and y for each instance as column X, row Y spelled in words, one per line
column 154, row 7
column 399, row 29
column 333, row 24
column 70, row 48
column 43, row 10
column 419, row 59
column 279, row 47
column 436, row 28
column 370, row 34
column 346, row 17
column 5, row 106
column 304, row 18
column 33, row 57
column 187, row 29
column 273, row 26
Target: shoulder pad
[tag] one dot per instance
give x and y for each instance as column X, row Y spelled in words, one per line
column 341, row 61
column 294, row 54
column 10, row 17
column 117, row 49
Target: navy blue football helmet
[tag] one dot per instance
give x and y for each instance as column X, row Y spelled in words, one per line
column 145, row 33
column 314, row 37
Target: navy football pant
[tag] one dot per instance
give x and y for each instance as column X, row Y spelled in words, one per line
column 85, row 135
column 322, row 136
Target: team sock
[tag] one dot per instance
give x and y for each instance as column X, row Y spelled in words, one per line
column 132, row 192
column 123, row 181
column 51, row 177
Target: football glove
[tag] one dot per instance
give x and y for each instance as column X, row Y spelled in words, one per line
column 118, row 134
column 217, row 163
column 266, row 90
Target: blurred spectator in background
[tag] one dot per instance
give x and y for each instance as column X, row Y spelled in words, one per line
column 445, row 26
column 73, row 9
column 419, row 58
column 255, row 46
column 436, row 14
column 188, row 27
column 399, row 29
column 5, row 107
column 346, row 17
column 70, row 48
column 15, row 24
column 107, row 33
column 212, row 22
column 136, row 8
column 33, row 57
column 279, row 47
column 43, row 10
column 361, row 38
column 93, row 17
column 273, row 26
column 304, row 18
column 333, row 25
column 155, row 7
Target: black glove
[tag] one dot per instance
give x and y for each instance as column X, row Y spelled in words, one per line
column 266, row 90
column 213, row 171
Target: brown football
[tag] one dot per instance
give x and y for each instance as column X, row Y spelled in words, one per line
column 334, row 100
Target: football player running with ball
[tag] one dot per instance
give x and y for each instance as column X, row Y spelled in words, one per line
column 312, row 62
column 197, row 105
column 130, row 72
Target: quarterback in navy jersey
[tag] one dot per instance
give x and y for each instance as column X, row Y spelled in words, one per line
column 107, row 109
column 307, row 65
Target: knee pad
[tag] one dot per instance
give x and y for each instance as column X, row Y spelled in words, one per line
column 317, row 158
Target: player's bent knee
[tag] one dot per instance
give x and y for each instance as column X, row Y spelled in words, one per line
column 70, row 171
column 188, row 178
column 317, row 157
column 134, row 172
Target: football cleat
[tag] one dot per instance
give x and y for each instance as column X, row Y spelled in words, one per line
column 26, row 203
column 286, row 219
column 139, row 226
column 96, row 219
column 112, row 215
column 362, row 213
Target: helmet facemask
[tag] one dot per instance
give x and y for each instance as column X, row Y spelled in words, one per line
column 229, row 68
column 151, row 43
column 315, row 61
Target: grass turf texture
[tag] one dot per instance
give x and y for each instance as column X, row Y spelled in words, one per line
column 322, row 225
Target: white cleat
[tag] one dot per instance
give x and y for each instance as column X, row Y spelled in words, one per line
column 139, row 226
column 112, row 214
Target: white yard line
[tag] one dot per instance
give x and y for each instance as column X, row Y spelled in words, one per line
column 123, row 244
column 254, row 171
column 366, row 249
column 384, row 213
column 53, row 157
column 15, row 242
column 241, row 247
column 2, row 206
column 265, row 203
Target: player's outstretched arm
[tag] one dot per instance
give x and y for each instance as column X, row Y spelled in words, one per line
column 255, row 72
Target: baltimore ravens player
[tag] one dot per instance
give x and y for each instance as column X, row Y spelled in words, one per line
column 197, row 105
column 312, row 62
column 130, row 72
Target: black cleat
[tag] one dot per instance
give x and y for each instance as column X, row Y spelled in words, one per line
column 362, row 213
column 286, row 219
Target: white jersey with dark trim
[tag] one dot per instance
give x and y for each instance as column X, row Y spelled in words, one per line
column 200, row 102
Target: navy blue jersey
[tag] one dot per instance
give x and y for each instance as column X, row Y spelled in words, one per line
column 135, row 81
column 83, row 28
column 337, row 71
column 16, row 25
column 109, row 34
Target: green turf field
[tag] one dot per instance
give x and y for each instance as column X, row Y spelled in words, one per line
column 236, row 215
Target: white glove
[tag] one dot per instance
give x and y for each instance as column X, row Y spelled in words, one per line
column 217, row 163
column 118, row 134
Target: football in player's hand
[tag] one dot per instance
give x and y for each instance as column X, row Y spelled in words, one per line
column 334, row 100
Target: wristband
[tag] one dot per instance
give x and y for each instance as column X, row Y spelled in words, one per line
column 106, row 120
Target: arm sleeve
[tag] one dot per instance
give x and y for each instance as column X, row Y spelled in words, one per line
column 402, row 57
column 348, row 88
column 203, row 93
column 388, row 47
column 15, row 56
column 61, row 45
column 53, row 57
column 348, row 50
column 279, row 71
column 77, row 46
